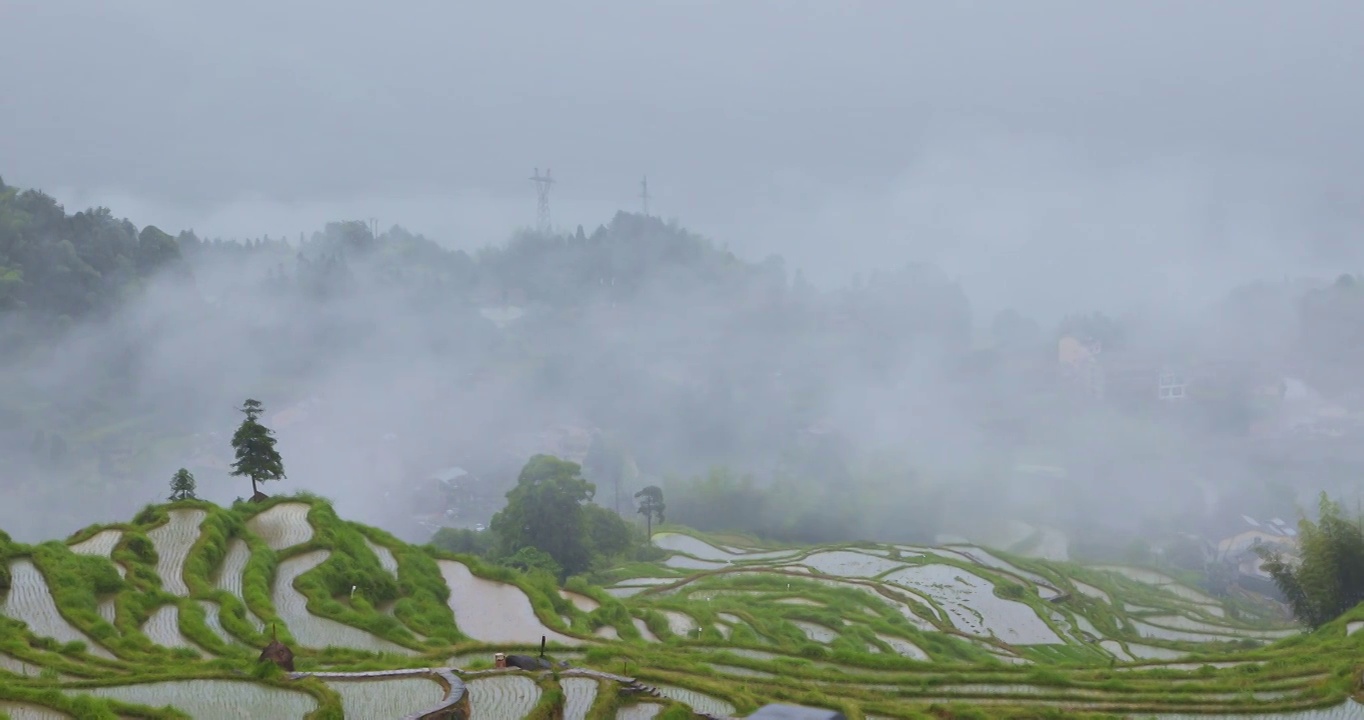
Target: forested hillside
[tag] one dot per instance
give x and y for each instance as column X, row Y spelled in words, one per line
column 58, row 268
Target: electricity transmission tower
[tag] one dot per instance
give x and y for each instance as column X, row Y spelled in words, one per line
column 542, row 183
column 644, row 194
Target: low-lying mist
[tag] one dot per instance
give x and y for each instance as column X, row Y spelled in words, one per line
column 886, row 408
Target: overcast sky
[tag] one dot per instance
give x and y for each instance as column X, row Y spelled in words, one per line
column 1122, row 145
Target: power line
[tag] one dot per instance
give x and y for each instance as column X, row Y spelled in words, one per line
column 542, row 184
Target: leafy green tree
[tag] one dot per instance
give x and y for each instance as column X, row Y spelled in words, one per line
column 182, row 485
column 1329, row 579
column 155, row 249
column 257, row 457
column 651, row 506
column 608, row 535
column 545, row 511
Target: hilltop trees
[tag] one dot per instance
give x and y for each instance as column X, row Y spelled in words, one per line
column 651, row 506
column 54, row 265
column 549, row 524
column 257, row 457
column 1330, row 578
column 182, row 485
column 545, row 511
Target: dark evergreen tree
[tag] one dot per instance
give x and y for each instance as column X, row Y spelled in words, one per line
column 182, row 485
column 257, row 457
column 651, row 506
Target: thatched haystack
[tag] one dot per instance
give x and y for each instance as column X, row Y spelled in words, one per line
column 277, row 653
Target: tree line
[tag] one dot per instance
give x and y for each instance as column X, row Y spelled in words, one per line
column 549, row 524
column 56, row 267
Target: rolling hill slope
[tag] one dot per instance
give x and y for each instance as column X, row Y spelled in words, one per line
column 173, row 608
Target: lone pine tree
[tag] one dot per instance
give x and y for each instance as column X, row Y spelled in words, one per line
column 651, row 506
column 182, row 485
column 255, row 446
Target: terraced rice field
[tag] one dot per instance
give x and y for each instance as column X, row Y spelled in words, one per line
column 680, row 624
column 172, row 542
column 741, row 671
column 818, row 633
column 1091, row 591
column 886, row 629
column 313, row 631
column 211, row 699
column 846, row 563
column 974, row 608
column 700, row 702
column 494, row 612
column 163, row 628
column 582, row 602
column 229, row 575
column 640, row 711
column 388, row 698
column 1349, row 710
column 963, row 596
column 503, row 697
column 283, row 526
column 18, row 667
column 1181, row 622
column 107, row 609
column 386, row 559
column 101, row 543
column 705, row 551
column 902, row 647
column 644, row 631
column 211, row 619
column 26, row 711
column 29, row 601
column 579, row 694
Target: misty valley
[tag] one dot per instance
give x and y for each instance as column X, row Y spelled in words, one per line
column 631, row 474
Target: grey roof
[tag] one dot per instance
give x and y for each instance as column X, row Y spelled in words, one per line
column 794, row 712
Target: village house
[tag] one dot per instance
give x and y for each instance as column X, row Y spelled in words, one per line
column 1241, row 549
column 1153, row 380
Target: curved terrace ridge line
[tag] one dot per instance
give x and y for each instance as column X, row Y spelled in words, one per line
column 454, row 693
